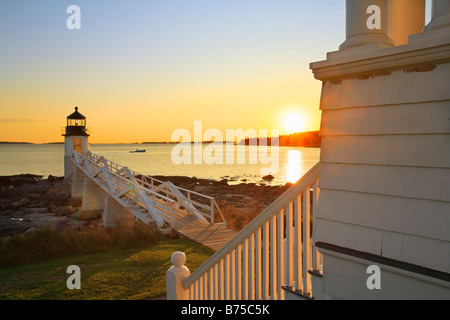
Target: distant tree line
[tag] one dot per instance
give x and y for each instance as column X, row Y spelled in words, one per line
column 311, row 139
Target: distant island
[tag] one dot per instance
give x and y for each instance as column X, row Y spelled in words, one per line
column 7, row 142
column 310, row 139
column 192, row 142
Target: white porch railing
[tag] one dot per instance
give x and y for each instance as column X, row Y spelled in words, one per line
column 273, row 251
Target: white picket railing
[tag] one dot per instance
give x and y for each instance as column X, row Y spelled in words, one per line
column 274, row 251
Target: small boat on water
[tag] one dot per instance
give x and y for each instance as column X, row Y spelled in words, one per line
column 138, row 151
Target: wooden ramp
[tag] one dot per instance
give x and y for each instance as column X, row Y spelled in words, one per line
column 213, row 236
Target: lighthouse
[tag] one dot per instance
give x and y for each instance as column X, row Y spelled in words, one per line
column 76, row 138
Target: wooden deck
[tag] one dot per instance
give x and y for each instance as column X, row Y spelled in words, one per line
column 212, row 236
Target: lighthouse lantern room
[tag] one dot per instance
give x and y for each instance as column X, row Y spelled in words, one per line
column 76, row 138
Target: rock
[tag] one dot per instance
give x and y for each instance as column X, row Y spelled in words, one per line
column 36, row 210
column 19, row 180
column 30, row 230
column 63, row 211
column 268, row 178
column 203, row 189
column 34, row 196
column 191, row 186
column 223, row 182
column 20, row 203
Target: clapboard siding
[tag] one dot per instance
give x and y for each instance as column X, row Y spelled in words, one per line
column 409, row 182
column 385, row 179
column 430, row 253
column 420, row 118
column 431, row 150
column 383, row 212
column 396, row 87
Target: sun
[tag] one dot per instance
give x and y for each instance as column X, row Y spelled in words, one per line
column 294, row 123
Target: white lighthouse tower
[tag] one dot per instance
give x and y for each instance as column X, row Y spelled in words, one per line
column 76, row 139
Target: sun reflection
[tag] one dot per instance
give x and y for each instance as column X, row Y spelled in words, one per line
column 294, row 166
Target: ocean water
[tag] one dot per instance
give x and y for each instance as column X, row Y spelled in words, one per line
column 286, row 165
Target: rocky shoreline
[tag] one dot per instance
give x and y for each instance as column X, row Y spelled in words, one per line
column 30, row 202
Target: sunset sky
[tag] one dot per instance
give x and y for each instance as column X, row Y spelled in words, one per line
column 138, row 70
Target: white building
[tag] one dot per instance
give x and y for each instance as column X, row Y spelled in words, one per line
column 385, row 178
column 383, row 192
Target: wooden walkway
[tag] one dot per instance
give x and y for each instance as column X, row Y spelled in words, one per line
column 213, row 236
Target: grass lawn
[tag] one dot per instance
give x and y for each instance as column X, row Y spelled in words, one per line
column 135, row 274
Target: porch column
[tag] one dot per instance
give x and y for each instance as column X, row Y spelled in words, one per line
column 360, row 17
column 406, row 17
column 440, row 15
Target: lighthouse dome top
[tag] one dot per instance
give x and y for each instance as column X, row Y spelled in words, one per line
column 76, row 115
column 76, row 125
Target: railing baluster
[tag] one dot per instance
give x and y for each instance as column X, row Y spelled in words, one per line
column 251, row 267
column 245, row 271
column 239, row 272
column 266, row 250
column 298, row 245
column 306, row 240
column 205, row 287
column 226, row 277
column 232, row 275
column 258, row 274
column 196, row 297
column 280, row 254
column 211, row 285
column 289, row 250
column 273, row 256
column 220, row 280
column 216, row 282
column 315, row 253
column 200, row 289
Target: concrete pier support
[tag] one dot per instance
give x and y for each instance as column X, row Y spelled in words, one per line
column 112, row 211
column 359, row 13
column 406, row 17
column 68, row 167
column 93, row 200
column 440, row 15
column 77, row 185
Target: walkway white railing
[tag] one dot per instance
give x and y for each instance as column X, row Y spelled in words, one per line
column 200, row 205
column 273, row 251
column 155, row 192
column 121, row 185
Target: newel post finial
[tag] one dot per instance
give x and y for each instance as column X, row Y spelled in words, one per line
column 175, row 277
